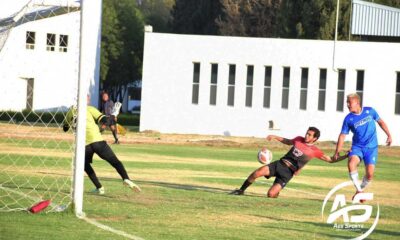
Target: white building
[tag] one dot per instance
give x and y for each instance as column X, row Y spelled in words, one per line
column 39, row 62
column 256, row 86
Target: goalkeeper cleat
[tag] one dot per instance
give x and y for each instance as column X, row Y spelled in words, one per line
column 132, row 185
column 99, row 191
column 237, row 192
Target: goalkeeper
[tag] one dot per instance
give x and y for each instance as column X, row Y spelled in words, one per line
column 96, row 144
column 107, row 107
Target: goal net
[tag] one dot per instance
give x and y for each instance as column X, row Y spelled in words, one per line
column 39, row 69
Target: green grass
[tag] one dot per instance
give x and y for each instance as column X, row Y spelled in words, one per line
column 185, row 197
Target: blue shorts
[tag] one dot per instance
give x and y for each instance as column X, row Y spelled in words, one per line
column 368, row 155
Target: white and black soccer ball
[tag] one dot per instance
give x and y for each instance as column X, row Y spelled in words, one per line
column 264, row 156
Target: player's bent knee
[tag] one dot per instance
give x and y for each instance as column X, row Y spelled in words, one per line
column 272, row 194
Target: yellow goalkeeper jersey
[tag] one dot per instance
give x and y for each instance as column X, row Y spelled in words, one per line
column 92, row 129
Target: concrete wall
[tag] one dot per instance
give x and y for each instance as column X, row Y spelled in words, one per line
column 168, row 77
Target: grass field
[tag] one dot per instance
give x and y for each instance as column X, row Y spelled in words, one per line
column 185, row 187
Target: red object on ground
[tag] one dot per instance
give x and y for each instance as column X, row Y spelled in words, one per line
column 39, row 206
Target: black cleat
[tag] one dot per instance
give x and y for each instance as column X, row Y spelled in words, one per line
column 237, row 192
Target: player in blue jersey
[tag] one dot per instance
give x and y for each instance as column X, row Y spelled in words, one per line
column 361, row 122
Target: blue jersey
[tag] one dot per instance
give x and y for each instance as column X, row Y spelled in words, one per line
column 363, row 127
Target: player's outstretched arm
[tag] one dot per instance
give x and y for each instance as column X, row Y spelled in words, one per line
column 334, row 158
column 339, row 144
column 280, row 139
column 385, row 128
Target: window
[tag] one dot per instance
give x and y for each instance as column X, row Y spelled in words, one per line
column 340, row 92
column 397, row 103
column 231, row 85
column 249, row 85
column 51, row 42
column 213, row 86
column 285, row 87
column 63, row 43
column 322, row 89
column 360, row 84
column 267, row 86
column 196, row 83
column 30, row 40
column 303, row 88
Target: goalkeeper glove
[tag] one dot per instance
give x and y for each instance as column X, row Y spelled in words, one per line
column 66, row 127
column 103, row 119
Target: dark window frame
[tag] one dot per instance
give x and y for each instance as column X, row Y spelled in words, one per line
column 340, row 101
column 323, row 75
column 214, row 84
column 63, row 43
column 231, row 85
column 285, row 88
column 30, row 40
column 51, row 42
column 249, row 85
column 304, row 88
column 267, row 86
column 196, row 83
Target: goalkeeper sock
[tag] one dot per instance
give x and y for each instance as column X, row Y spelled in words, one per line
column 354, row 178
column 245, row 185
column 95, row 180
column 365, row 182
column 114, row 132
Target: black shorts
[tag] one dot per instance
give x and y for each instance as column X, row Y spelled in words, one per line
column 111, row 120
column 281, row 172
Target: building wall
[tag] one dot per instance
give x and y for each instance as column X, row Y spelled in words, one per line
column 55, row 73
column 168, row 78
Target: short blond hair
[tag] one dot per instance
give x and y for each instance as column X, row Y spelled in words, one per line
column 354, row 95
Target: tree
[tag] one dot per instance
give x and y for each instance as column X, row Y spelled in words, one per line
column 314, row 19
column 157, row 13
column 391, row 3
column 121, row 47
column 196, row 16
column 257, row 18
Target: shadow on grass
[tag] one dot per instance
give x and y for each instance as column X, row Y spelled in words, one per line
column 190, row 187
column 187, row 187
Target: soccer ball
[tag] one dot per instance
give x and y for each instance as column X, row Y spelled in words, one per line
column 264, row 156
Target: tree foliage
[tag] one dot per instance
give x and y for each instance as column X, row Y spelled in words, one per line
column 249, row 18
column 305, row 19
column 314, row 19
column 121, row 47
column 196, row 16
column 157, row 13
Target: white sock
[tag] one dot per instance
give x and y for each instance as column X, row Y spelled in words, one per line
column 365, row 182
column 354, row 177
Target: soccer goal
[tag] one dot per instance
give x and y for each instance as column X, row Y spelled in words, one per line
column 47, row 65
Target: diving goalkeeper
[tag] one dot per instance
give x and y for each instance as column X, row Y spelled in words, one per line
column 96, row 144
